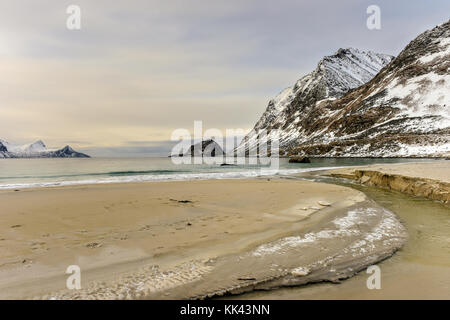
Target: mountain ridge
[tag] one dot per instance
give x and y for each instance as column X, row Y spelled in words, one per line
column 37, row 150
column 334, row 75
column 402, row 111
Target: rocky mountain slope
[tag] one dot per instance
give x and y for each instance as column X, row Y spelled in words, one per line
column 294, row 107
column 36, row 150
column 402, row 112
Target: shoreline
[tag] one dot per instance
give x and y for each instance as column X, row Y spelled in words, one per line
column 419, row 270
column 106, row 179
column 180, row 233
column 413, row 179
column 190, row 239
column 138, row 179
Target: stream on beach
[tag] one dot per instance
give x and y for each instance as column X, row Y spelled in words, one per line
column 420, row 270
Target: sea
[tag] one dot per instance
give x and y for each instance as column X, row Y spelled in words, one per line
column 53, row 172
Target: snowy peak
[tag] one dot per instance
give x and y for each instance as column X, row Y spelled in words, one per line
column 292, row 110
column 418, row 81
column 36, row 150
column 37, row 146
column 402, row 112
column 67, row 152
column 350, row 68
column 364, row 104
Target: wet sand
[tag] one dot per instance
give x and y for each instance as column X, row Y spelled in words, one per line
column 183, row 239
column 420, row 270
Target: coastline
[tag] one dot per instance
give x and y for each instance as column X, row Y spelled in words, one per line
column 430, row 181
column 225, row 151
column 419, row 270
column 134, row 179
column 181, row 234
column 192, row 239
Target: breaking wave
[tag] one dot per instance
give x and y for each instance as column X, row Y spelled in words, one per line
column 154, row 175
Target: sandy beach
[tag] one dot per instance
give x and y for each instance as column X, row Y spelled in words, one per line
column 213, row 150
column 194, row 239
column 149, row 230
column 421, row 269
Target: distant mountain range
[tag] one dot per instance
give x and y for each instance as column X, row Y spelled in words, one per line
column 204, row 148
column 36, row 150
column 365, row 104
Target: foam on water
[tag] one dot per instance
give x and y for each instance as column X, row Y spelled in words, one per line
column 347, row 226
column 165, row 177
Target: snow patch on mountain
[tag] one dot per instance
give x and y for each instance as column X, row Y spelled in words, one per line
column 402, row 111
column 444, row 44
column 35, row 147
column 36, row 150
column 334, row 76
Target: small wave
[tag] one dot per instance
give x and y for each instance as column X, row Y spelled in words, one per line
column 109, row 173
column 143, row 172
column 123, row 178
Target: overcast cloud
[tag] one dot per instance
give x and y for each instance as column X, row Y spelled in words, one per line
column 137, row 70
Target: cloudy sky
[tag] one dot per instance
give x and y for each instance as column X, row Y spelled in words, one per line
column 137, row 70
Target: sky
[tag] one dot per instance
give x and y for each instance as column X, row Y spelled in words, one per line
column 138, row 70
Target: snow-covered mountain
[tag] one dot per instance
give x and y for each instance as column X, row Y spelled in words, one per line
column 404, row 111
column 294, row 108
column 36, row 150
column 35, row 147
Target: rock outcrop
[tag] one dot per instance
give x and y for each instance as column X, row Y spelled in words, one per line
column 205, row 148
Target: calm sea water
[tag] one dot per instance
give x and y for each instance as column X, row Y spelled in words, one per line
column 23, row 173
